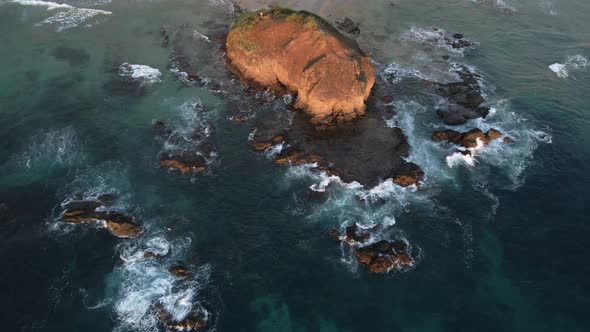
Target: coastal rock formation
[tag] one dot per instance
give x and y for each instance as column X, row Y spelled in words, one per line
column 117, row 223
column 195, row 321
column 464, row 99
column 186, row 146
column 380, row 257
column 385, row 256
column 467, row 139
column 185, row 162
column 302, row 53
column 365, row 151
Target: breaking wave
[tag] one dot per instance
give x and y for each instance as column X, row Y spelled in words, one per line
column 439, row 38
column 143, row 74
column 68, row 16
column 146, row 282
column 572, row 64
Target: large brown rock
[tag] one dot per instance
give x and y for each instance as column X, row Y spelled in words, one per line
column 117, row 223
column 301, row 52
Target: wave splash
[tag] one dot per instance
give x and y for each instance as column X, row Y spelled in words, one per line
column 146, row 283
column 572, row 64
column 144, row 75
column 68, row 17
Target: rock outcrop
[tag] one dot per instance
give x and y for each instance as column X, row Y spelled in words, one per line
column 185, row 162
column 304, row 54
column 195, row 321
column 379, row 257
column 467, row 139
column 385, row 256
column 365, row 151
column 93, row 210
column 464, row 99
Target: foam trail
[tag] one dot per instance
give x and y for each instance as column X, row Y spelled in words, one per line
column 48, row 4
column 72, row 17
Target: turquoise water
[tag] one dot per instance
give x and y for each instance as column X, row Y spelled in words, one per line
column 502, row 244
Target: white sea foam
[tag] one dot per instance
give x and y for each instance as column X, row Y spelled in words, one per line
column 272, row 151
column 59, row 147
column 395, row 72
column 468, row 158
column 573, row 63
column 198, row 35
column 48, row 4
column 146, row 281
column 436, row 37
column 548, row 6
column 503, row 5
column 143, row 74
column 68, row 16
column 73, row 17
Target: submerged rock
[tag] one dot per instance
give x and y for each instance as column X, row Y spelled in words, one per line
column 467, row 139
column 179, row 271
column 365, row 151
column 302, row 53
column 348, row 26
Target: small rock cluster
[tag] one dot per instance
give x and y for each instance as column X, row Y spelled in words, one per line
column 463, row 99
column 380, row 257
column 95, row 210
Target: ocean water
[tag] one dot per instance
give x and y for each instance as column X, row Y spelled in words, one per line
column 502, row 240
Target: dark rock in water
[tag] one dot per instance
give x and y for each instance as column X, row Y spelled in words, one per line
column 446, row 57
column 458, row 36
column 453, row 114
column 387, row 99
column 365, row 151
column 75, row 57
column 467, row 139
column 352, row 235
column 508, row 140
column 179, row 271
column 165, row 38
column 85, row 211
column 334, row 234
column 349, row 26
column 195, row 321
column 356, row 235
column 384, row 256
column 463, row 99
column 107, row 199
column 184, row 161
column 158, row 125
column 82, row 205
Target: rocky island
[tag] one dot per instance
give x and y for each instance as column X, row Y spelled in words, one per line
column 302, row 53
column 331, row 78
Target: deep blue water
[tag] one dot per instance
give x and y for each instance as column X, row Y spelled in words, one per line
column 503, row 244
